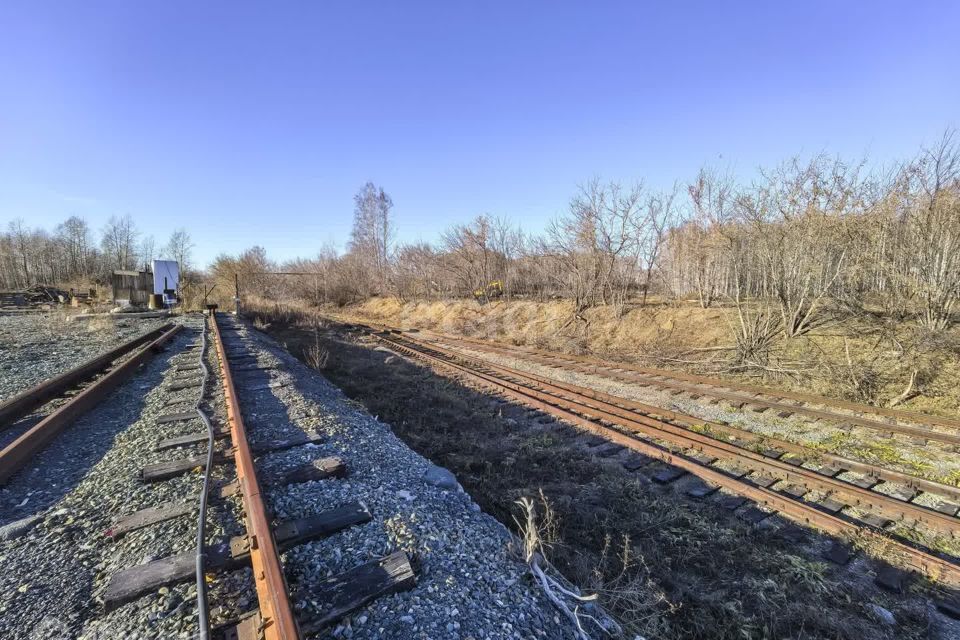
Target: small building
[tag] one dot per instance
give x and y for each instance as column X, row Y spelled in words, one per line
column 132, row 287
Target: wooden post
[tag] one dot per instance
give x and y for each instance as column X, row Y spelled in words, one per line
column 236, row 284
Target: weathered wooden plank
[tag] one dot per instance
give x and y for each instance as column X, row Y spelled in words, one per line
column 130, row 584
column 177, row 417
column 269, row 446
column 316, row 470
column 293, row 532
column 353, row 589
column 190, row 438
column 147, row 517
column 160, row 471
column 186, row 384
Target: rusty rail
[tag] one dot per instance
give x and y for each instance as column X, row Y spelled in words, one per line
column 15, row 455
column 586, row 415
column 276, row 612
column 26, row 401
column 689, row 384
column 798, row 396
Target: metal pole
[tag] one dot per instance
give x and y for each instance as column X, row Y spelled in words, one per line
column 236, row 284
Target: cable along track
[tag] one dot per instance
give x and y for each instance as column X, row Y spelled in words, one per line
column 276, row 617
column 661, row 438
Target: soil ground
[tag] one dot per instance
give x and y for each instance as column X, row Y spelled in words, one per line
column 666, row 565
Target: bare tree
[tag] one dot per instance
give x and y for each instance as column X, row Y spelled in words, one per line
column 935, row 233
column 372, row 237
column 119, row 240
column 73, row 234
column 594, row 246
column 651, row 232
column 180, row 248
column 147, row 252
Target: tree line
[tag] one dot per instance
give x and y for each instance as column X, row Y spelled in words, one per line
column 74, row 255
column 799, row 237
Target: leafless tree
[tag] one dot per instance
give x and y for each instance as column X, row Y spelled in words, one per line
column 372, row 237
column 180, row 248
column 594, row 246
column 119, row 241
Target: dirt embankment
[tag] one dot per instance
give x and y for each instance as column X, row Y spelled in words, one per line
column 865, row 358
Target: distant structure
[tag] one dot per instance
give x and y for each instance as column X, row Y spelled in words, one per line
column 131, row 288
column 156, row 288
column 166, row 280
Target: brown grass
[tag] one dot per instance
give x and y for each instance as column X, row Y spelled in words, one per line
column 668, row 567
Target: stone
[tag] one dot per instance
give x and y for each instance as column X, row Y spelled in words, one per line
column 442, row 478
column 881, row 614
column 17, row 528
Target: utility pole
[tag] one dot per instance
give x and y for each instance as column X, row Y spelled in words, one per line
column 236, row 298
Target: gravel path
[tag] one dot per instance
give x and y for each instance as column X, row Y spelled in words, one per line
column 37, row 346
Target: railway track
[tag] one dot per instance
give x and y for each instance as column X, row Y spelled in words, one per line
column 228, row 465
column 18, row 453
column 28, row 400
column 723, row 457
column 278, row 615
column 885, row 421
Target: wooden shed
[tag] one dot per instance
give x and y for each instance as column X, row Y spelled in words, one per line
column 134, row 287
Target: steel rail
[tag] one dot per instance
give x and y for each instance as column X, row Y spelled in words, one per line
column 666, row 415
column 890, row 412
column 624, row 372
column 855, row 495
column 16, row 455
column 930, row 565
column 26, row 401
column 841, row 462
column 276, row 611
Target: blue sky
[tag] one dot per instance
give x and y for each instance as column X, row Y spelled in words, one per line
column 255, row 123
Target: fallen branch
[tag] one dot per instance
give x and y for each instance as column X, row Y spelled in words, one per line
column 908, row 393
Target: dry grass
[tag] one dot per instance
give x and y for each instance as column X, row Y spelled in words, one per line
column 667, row 567
column 863, row 358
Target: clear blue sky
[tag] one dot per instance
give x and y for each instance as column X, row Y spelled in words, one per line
column 255, row 123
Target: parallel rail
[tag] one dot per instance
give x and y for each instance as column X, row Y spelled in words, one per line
column 26, row 401
column 276, row 611
column 19, row 452
column 717, row 389
column 593, row 410
column 903, row 415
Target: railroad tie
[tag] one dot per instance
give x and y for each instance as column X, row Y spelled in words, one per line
column 160, row 471
column 130, row 584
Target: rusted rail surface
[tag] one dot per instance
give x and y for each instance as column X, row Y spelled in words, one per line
column 915, row 417
column 26, row 401
column 624, row 372
column 15, row 455
column 778, row 447
column 276, row 612
column 587, row 412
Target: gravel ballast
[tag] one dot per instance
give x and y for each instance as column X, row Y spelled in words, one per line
column 53, row 516
column 37, row 346
column 469, row 582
